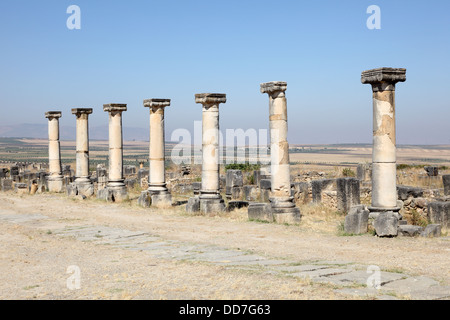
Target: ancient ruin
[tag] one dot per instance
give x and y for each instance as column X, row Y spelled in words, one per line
column 157, row 194
column 55, row 179
column 115, row 189
column 82, row 184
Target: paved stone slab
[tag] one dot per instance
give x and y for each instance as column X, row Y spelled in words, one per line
column 321, row 273
column 419, row 288
column 300, row 268
column 361, row 276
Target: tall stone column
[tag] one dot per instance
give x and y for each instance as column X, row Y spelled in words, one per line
column 157, row 190
column 55, row 178
column 83, row 182
column 283, row 206
column 384, row 158
column 210, row 198
column 115, row 189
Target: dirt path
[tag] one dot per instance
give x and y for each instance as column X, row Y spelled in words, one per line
column 34, row 258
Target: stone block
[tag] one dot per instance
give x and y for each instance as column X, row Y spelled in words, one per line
column 234, row 178
column 196, row 186
column 286, row 215
column 446, row 182
column 357, row 221
column 21, row 188
column 260, row 211
column 409, row 230
column 264, row 195
column 6, row 184
column 142, row 173
column 145, row 200
column 130, row 183
column 71, row 190
column 3, row 173
column 249, row 193
column 13, row 171
column 256, row 177
column 432, row 171
column 237, row 204
column 386, row 224
column 129, row 170
column 363, row 172
column 265, row 184
column 161, row 200
column 193, row 205
column 318, row 186
column 348, row 193
column 404, row 192
column 439, row 213
column 432, row 230
column 212, row 205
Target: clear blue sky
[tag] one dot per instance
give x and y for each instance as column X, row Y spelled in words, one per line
column 128, row 51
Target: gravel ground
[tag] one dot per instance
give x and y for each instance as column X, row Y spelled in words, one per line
column 34, row 258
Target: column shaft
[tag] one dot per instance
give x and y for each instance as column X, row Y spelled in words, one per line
column 157, row 180
column 384, row 159
column 115, row 147
column 210, row 149
column 82, row 148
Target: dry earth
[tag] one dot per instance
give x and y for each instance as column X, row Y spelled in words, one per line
column 34, row 257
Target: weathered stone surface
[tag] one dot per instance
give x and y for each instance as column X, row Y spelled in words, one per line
column 386, row 224
column 265, row 184
column 409, row 230
column 439, row 212
column 404, row 192
column 317, row 186
column 212, row 205
column 249, row 193
column 432, row 230
column 363, row 172
column 193, row 205
column 432, row 171
column 196, row 186
column 145, row 199
column 161, row 200
column 237, row 204
column 348, row 193
column 357, row 221
column 446, row 182
column 6, row 184
column 260, row 211
column 234, row 178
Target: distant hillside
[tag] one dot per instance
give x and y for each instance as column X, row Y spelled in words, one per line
column 40, row 131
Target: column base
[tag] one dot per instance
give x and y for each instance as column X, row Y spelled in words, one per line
column 83, row 187
column 284, row 210
column 114, row 193
column 211, row 202
column 55, row 184
column 161, row 199
column 374, row 212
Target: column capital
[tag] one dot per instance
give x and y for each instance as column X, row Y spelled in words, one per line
column 383, row 79
column 110, row 107
column 273, row 87
column 156, row 103
column 53, row 114
column 210, row 98
column 78, row 111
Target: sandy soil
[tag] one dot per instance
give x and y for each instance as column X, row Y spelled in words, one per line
column 34, row 261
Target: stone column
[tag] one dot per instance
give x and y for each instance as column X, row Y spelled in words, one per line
column 55, row 179
column 210, row 198
column 82, row 179
column 115, row 189
column 157, row 190
column 384, row 159
column 283, row 206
